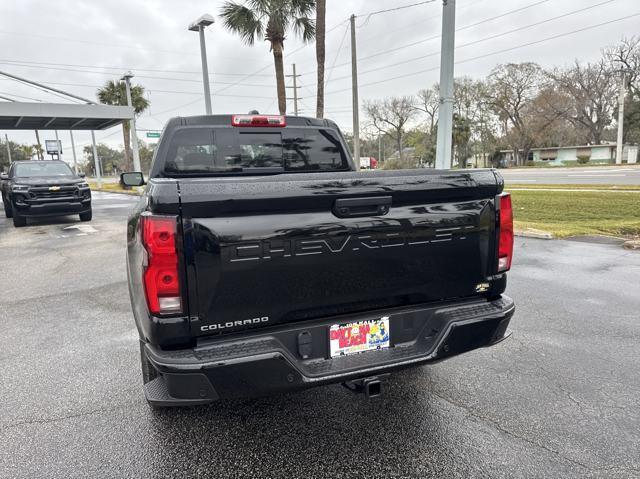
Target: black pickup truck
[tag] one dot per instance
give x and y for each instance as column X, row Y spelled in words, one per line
column 260, row 261
column 43, row 188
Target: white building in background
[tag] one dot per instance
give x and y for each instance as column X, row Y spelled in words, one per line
column 570, row 155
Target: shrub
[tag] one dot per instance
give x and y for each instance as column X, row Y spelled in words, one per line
column 530, row 163
column 583, row 159
column 397, row 164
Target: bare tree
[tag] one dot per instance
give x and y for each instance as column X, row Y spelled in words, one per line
column 590, row 90
column 511, row 89
column 626, row 56
column 391, row 115
column 428, row 102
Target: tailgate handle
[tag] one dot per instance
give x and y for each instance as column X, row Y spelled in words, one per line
column 353, row 207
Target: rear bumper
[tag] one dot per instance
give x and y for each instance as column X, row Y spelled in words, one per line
column 260, row 362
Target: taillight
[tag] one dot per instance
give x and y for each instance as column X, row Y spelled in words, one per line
column 160, row 277
column 259, row 120
column 505, row 244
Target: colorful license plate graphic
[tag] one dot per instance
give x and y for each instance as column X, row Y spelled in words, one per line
column 352, row 338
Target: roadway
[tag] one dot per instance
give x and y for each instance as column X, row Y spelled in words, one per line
column 560, row 398
column 623, row 175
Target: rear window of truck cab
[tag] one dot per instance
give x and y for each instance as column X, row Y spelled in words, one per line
column 195, row 150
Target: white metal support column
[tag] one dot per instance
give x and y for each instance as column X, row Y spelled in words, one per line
column 73, row 150
column 132, row 123
column 445, row 115
column 621, row 96
column 96, row 161
column 354, row 94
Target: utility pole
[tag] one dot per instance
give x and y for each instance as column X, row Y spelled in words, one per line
column 96, row 161
column 295, row 90
column 58, row 145
column 6, row 139
column 445, row 116
column 621, row 95
column 39, row 152
column 73, row 150
column 354, row 93
column 132, row 123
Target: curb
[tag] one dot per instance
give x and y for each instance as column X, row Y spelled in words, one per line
column 533, row 233
column 133, row 193
column 632, row 245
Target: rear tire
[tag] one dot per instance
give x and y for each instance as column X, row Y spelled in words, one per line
column 8, row 211
column 19, row 221
column 86, row 216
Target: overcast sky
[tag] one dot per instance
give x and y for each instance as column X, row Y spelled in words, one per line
column 78, row 45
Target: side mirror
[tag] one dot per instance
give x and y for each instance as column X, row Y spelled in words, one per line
column 4, row 176
column 132, row 178
column 82, row 175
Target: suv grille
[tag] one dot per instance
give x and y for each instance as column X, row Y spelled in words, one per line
column 65, row 191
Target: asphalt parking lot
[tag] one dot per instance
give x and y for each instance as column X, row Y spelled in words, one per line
column 560, row 398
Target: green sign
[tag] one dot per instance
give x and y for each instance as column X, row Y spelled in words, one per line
column 153, row 134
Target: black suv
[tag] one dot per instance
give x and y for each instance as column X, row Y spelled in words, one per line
column 44, row 188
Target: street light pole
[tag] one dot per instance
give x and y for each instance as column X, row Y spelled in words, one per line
column 199, row 26
column 445, row 116
column 132, row 123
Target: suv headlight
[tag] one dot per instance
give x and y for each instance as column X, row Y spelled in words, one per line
column 84, row 184
column 20, row 188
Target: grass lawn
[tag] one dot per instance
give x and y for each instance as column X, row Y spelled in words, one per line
column 115, row 187
column 571, row 213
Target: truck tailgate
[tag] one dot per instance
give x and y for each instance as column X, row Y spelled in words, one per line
column 269, row 250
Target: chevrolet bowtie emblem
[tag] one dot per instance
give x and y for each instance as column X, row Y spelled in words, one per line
column 54, row 188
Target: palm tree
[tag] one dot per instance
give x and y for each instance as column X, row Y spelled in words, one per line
column 27, row 151
column 115, row 93
column 271, row 20
column 321, row 11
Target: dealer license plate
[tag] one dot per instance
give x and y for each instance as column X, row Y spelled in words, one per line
column 358, row 337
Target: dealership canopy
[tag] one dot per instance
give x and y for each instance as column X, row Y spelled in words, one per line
column 61, row 116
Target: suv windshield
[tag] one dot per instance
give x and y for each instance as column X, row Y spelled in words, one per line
column 54, row 168
column 220, row 150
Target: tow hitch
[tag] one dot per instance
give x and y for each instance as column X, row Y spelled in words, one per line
column 371, row 387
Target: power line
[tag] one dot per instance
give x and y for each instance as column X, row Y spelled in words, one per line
column 90, row 42
column 475, row 42
column 123, row 68
column 535, row 42
column 344, row 35
column 404, row 28
column 302, row 47
column 151, row 90
column 150, row 77
column 394, row 9
column 436, row 37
